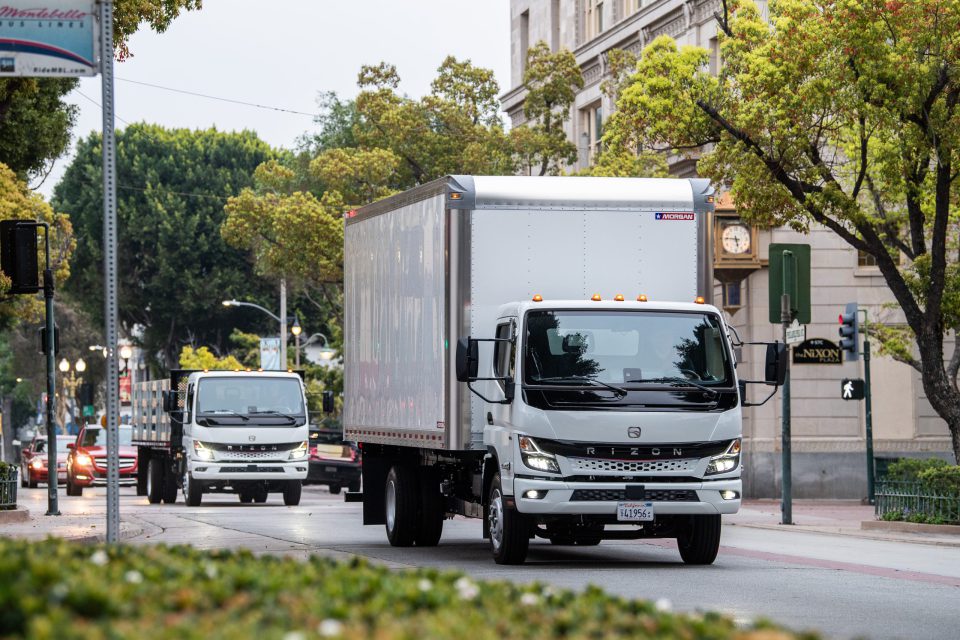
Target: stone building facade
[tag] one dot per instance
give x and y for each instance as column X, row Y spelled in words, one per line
column 828, row 433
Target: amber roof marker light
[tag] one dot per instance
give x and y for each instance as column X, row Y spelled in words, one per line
column 700, row 300
column 642, row 297
column 538, row 298
column 618, row 297
column 596, row 297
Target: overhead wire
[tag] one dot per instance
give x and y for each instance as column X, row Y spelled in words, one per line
column 218, row 98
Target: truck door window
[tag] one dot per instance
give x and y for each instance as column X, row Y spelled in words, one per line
column 504, row 352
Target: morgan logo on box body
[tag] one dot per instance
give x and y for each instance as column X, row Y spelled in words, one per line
column 675, row 216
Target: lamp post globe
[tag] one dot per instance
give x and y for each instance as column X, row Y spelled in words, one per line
column 64, row 365
column 81, row 366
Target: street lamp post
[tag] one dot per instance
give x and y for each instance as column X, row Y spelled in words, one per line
column 282, row 319
column 70, row 385
column 296, row 330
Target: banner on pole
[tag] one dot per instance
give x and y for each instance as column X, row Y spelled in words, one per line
column 48, row 38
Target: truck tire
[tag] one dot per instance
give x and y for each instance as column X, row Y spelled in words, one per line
column 354, row 487
column 192, row 491
column 430, row 523
column 246, row 497
column 291, row 493
column 335, row 489
column 400, row 505
column 699, row 539
column 154, row 481
column 141, row 481
column 509, row 529
column 170, row 489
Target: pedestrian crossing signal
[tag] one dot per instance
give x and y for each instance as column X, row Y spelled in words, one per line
column 851, row 389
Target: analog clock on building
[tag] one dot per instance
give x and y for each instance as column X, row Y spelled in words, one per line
column 735, row 239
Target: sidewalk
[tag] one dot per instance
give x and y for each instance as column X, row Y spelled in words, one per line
column 838, row 517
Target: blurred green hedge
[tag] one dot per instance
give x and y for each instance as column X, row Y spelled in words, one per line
column 55, row 589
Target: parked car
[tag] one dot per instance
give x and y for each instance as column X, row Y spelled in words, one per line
column 87, row 462
column 33, row 466
column 333, row 461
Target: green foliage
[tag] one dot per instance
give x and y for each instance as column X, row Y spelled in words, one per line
column 129, row 15
column 174, row 268
column 35, row 122
column 54, row 589
column 837, row 113
column 942, row 480
column 910, row 469
column 204, row 359
column 552, row 80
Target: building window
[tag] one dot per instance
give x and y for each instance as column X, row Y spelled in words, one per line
column 592, row 19
column 865, row 260
column 629, row 7
column 732, row 295
column 591, row 124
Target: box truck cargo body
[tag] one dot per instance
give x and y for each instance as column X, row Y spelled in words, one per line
column 534, row 351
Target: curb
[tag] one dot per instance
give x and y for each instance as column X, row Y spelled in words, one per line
column 16, row 515
column 97, row 538
column 910, row 527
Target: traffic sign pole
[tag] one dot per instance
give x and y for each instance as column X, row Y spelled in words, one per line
column 871, row 496
column 786, row 318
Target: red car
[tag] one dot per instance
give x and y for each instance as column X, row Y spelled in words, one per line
column 87, row 462
column 33, row 465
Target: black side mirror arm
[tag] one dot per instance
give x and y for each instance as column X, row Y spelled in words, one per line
column 508, row 390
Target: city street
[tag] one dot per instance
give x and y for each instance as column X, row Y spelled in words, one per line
column 845, row 586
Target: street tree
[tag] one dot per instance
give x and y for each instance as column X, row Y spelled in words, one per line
column 174, row 269
column 837, row 113
column 204, row 359
column 552, row 80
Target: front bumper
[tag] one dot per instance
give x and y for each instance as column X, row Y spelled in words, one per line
column 227, row 470
column 558, row 500
column 98, row 478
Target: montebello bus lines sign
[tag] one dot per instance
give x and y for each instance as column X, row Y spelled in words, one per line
column 48, row 38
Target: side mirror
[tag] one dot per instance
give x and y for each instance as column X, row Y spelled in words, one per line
column 468, row 359
column 742, row 388
column 775, row 370
column 509, row 389
column 328, row 404
column 170, row 401
column 71, row 446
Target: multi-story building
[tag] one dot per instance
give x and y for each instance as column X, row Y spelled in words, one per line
column 828, row 433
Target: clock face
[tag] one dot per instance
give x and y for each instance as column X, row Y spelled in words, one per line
column 735, row 239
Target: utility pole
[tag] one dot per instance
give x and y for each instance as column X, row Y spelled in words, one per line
column 283, row 324
column 871, row 493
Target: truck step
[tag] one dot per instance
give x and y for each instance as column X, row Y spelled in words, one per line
column 353, row 496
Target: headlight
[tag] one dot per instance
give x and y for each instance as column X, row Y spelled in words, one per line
column 36, row 463
column 536, row 458
column 82, row 460
column 201, row 452
column 727, row 461
column 300, row 452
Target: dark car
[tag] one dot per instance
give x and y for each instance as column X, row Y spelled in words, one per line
column 87, row 462
column 333, row 461
column 33, row 465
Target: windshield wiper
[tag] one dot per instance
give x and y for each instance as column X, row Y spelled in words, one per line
column 207, row 414
column 617, row 390
column 680, row 382
column 275, row 413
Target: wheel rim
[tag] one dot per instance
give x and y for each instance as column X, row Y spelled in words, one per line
column 391, row 504
column 186, row 485
column 496, row 519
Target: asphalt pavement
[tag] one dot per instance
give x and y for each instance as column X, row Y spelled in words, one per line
column 823, row 573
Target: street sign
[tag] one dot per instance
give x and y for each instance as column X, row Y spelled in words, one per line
column 851, row 389
column 817, row 351
column 796, row 332
column 48, row 38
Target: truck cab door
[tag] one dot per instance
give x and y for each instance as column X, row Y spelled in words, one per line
column 499, row 418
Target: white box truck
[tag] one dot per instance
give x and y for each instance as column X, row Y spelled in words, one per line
column 243, row 432
column 535, row 352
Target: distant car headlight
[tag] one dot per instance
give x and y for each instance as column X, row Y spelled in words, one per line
column 535, row 458
column 82, row 460
column 301, row 451
column 201, row 452
column 727, row 461
column 36, row 463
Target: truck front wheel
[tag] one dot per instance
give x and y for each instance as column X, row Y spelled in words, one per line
column 192, row 491
column 400, row 505
column 154, row 481
column 291, row 493
column 509, row 529
column 699, row 539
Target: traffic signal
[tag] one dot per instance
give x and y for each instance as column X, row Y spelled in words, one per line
column 42, row 338
column 850, row 331
column 18, row 255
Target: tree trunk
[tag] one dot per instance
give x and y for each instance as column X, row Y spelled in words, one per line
column 941, row 393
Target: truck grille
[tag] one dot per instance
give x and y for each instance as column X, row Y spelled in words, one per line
column 618, row 495
column 632, row 466
column 252, row 456
column 250, row 469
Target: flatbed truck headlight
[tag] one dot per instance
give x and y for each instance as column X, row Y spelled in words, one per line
column 301, row 451
column 726, row 461
column 201, row 452
column 536, row 458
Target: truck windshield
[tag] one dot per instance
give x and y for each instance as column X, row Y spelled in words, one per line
column 266, row 399
column 624, row 349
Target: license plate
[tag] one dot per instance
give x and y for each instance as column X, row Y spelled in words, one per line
column 635, row 511
column 330, row 469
